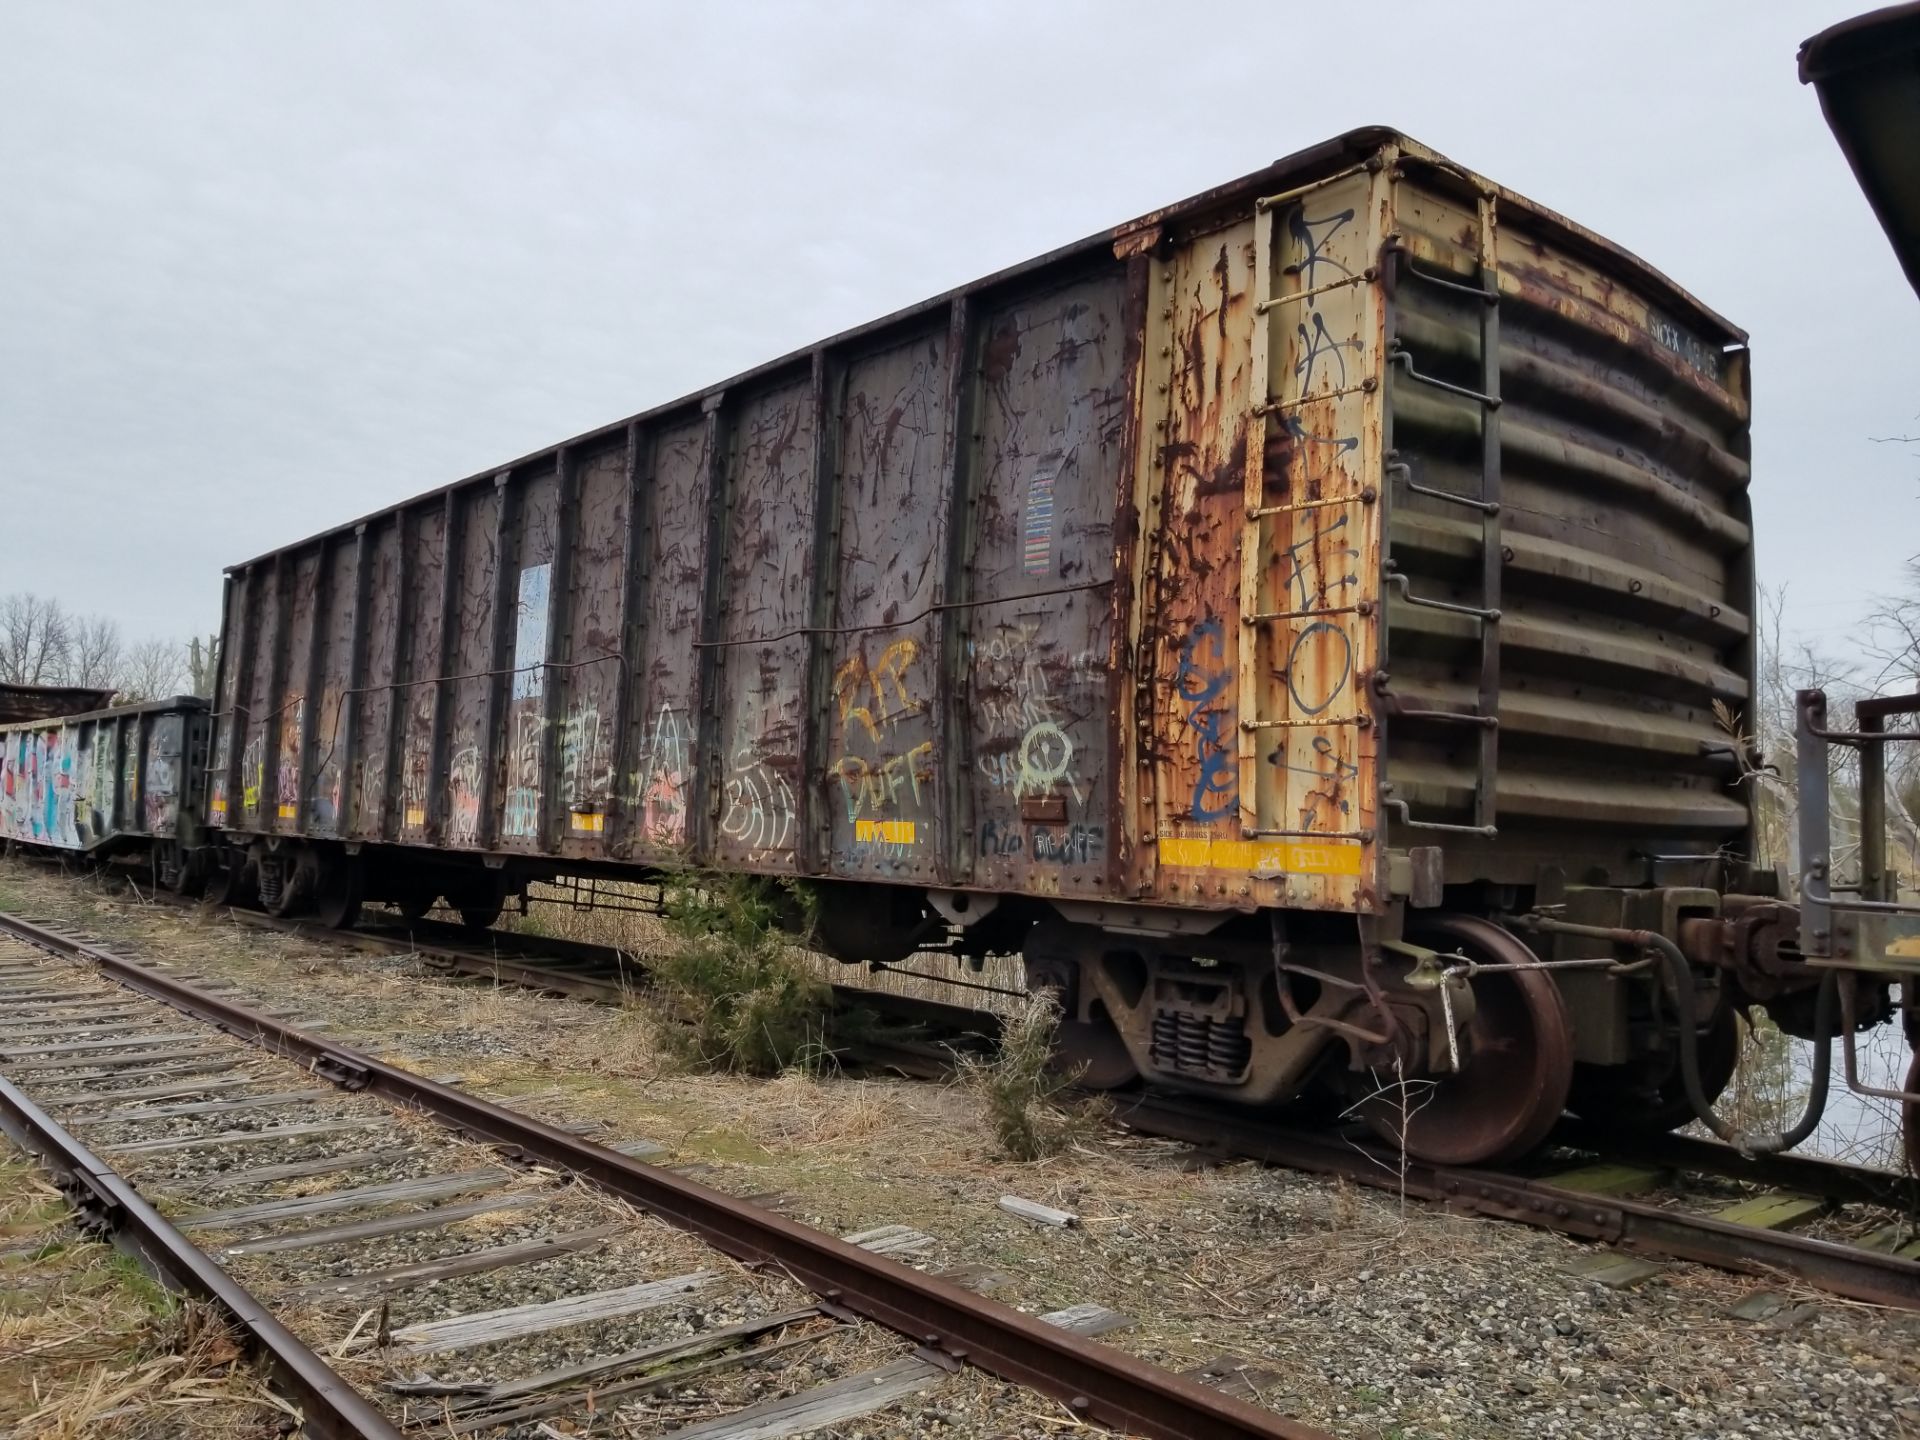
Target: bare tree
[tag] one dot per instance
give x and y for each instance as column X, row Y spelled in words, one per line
column 35, row 640
column 203, row 665
column 153, row 670
column 94, row 652
column 1893, row 630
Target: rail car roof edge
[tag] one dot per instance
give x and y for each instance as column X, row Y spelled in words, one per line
column 132, row 707
column 1303, row 167
column 1866, row 72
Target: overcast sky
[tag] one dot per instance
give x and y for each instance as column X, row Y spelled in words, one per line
column 265, row 267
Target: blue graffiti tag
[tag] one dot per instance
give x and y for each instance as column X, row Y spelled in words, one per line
column 1216, row 790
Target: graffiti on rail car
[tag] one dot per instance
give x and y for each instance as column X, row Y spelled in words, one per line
column 286, row 776
column 165, row 742
column 661, row 782
column 37, row 788
column 885, row 787
column 1199, row 681
column 759, row 811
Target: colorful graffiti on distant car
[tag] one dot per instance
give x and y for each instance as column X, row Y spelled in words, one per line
column 37, row 787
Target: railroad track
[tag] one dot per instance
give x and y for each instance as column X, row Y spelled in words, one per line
column 1838, row 1227
column 1849, row 1230
column 456, row 1255
column 1846, row 1229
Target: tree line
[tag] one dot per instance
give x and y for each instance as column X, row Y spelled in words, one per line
column 42, row 642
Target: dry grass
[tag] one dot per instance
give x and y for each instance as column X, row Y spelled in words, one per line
column 1018, row 1084
column 90, row 1346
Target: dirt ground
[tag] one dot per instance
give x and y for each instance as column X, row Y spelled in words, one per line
column 1364, row 1315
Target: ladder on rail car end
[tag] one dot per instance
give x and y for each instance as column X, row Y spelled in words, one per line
column 1268, row 409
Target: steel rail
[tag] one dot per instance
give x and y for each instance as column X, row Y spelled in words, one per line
column 1096, row 1382
column 330, row 1407
column 1874, row 1276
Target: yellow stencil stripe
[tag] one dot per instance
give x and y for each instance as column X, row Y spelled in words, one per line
column 886, row 832
column 1291, row 857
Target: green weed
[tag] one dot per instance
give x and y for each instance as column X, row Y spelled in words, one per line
column 736, row 997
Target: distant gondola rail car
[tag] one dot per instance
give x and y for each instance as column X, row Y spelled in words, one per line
column 109, row 784
column 1249, row 613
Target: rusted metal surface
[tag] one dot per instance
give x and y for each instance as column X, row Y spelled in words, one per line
column 1097, row 1382
column 1624, row 552
column 103, row 781
column 329, row 1406
column 20, row 703
column 1134, row 574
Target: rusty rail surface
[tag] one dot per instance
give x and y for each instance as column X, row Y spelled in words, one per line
column 1095, row 1382
column 330, row 1407
column 1859, row 1274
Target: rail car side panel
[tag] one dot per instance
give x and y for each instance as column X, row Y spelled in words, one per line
column 590, row 669
column 883, row 742
column 1038, row 674
column 765, row 608
column 666, row 785
column 293, row 717
column 380, row 700
column 422, row 643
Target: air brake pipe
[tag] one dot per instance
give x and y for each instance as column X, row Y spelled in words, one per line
column 1680, row 980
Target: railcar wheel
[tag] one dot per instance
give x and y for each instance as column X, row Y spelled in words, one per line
column 1515, row 1082
column 227, row 881
column 1608, row 1095
column 336, row 900
column 480, row 915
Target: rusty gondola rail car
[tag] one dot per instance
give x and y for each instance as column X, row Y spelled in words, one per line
column 1248, row 613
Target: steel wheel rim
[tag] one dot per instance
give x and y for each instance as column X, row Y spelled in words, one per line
column 1514, row 1089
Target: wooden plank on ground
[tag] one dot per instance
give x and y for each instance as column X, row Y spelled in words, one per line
column 46, row 997
column 1772, row 1212
column 175, row 1090
column 210, row 1064
column 701, row 1344
column 1036, row 1212
column 88, row 1019
column 206, row 1107
column 414, row 1220
column 834, row 1403
column 873, row 1390
column 290, row 1170
column 489, row 1327
column 891, row 1240
column 242, row 1137
column 103, row 1063
column 10, row 1051
column 360, row 1197
column 1608, row 1179
column 374, row 1283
